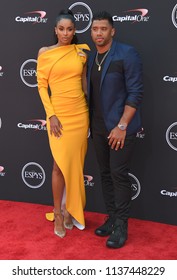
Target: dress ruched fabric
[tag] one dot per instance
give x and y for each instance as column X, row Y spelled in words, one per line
column 60, row 69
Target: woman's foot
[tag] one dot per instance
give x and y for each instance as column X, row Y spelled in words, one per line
column 67, row 219
column 59, row 228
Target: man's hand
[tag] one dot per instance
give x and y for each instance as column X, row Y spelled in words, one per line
column 117, row 138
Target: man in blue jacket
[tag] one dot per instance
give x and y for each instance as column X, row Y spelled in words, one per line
column 115, row 90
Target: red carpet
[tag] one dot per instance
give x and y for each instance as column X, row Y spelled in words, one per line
column 25, row 234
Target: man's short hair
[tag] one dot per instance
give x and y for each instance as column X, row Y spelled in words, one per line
column 103, row 15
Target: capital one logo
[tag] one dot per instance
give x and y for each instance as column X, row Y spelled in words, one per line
column 171, row 136
column 33, row 17
column 169, row 193
column 135, row 15
column 33, row 175
column 171, row 79
column 40, row 125
column 141, row 134
column 2, row 173
column 174, row 16
column 135, row 186
column 28, row 72
column 1, row 72
column 1, row 168
column 88, row 181
column 83, row 16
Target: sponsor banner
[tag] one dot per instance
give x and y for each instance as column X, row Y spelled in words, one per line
column 135, row 186
column 83, row 16
column 135, row 15
column 169, row 193
column 33, row 17
column 174, row 16
column 36, row 124
column 88, row 181
column 1, row 71
column 171, row 136
column 28, row 72
column 169, row 78
column 2, row 173
column 33, row 175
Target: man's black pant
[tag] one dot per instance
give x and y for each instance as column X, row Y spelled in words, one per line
column 114, row 168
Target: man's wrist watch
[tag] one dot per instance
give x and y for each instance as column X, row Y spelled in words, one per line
column 122, row 126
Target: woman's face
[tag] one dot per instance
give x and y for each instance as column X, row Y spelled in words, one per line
column 65, row 31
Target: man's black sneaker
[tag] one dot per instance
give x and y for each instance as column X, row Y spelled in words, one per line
column 107, row 228
column 119, row 234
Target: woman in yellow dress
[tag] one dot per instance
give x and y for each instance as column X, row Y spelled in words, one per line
column 61, row 76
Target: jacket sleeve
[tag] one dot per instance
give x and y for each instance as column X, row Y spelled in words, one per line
column 43, row 70
column 133, row 78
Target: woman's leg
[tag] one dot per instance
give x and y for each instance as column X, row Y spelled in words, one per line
column 58, row 185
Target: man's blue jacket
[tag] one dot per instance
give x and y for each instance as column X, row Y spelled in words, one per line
column 121, row 84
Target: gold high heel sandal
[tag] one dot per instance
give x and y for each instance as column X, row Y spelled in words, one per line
column 67, row 219
column 59, row 229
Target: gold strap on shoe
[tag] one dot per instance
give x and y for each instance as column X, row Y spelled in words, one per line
column 59, row 232
column 67, row 219
column 57, row 213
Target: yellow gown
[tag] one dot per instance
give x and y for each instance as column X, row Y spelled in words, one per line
column 60, row 69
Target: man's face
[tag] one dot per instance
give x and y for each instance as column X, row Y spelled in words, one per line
column 102, row 32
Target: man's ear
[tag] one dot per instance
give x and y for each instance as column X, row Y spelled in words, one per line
column 113, row 32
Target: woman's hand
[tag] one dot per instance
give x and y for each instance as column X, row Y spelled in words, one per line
column 55, row 126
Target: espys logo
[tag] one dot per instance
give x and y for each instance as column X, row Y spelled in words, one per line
column 33, row 175
column 135, row 186
column 171, row 136
column 37, row 17
column 88, row 181
column 174, row 16
column 2, row 174
column 40, row 125
column 83, row 16
column 1, row 72
column 139, row 15
column 28, row 72
column 170, row 79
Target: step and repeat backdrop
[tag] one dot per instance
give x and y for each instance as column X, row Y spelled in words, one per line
column 25, row 159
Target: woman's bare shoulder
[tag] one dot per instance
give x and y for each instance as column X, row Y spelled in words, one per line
column 44, row 49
